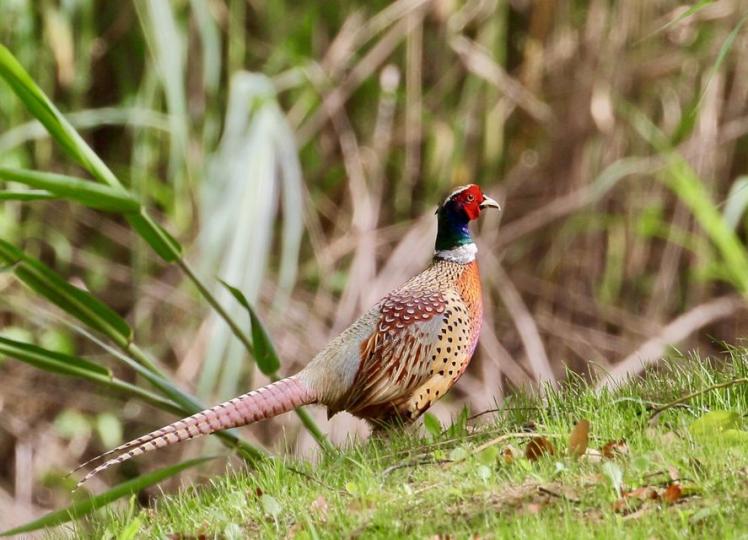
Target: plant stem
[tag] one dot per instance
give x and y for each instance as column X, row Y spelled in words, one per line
column 215, row 304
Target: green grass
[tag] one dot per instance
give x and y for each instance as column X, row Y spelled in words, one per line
column 375, row 489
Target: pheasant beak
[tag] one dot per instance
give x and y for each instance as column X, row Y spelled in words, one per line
column 488, row 202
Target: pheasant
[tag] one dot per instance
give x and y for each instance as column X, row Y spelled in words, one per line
column 389, row 366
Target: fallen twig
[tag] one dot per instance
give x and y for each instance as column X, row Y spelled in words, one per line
column 501, row 409
column 659, row 410
column 415, row 463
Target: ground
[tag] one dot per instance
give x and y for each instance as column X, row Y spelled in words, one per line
column 515, row 473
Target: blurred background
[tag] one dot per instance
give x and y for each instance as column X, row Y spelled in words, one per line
column 299, row 149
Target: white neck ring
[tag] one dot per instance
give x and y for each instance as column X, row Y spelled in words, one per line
column 463, row 254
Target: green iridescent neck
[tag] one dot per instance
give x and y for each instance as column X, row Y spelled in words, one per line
column 453, row 230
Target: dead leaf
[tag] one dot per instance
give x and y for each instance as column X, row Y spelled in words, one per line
column 294, row 530
column 614, row 449
column 508, row 454
column 624, row 506
column 534, row 508
column 320, row 507
column 673, row 473
column 672, row 493
column 579, row 438
column 538, row 447
column 643, row 493
column 593, row 455
column 632, row 501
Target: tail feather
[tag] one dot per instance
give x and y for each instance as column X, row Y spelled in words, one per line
column 265, row 402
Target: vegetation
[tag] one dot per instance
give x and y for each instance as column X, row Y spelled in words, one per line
column 153, row 152
column 682, row 474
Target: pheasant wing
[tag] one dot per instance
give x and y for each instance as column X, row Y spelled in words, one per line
column 397, row 357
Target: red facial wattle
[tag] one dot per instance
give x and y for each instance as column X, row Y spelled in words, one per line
column 470, row 199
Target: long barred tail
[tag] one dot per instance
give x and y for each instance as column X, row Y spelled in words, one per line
column 266, row 402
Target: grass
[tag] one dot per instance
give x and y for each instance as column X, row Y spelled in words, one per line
column 456, row 484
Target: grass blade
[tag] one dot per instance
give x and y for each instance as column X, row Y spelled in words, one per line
column 693, row 10
column 29, row 195
column 737, row 202
column 723, row 52
column 75, row 189
column 164, row 244
column 74, row 301
column 84, row 507
column 44, row 110
column 86, row 119
column 51, row 361
column 73, row 366
column 680, row 177
column 68, row 138
column 262, row 347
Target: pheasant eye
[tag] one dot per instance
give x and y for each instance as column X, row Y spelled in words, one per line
column 470, row 197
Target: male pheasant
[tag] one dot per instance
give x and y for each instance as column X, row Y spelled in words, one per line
column 389, row 366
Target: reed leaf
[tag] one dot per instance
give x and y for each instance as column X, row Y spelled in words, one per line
column 736, row 202
column 86, row 506
column 68, row 138
column 27, row 195
column 74, row 301
column 683, row 181
column 80, row 368
column 75, row 189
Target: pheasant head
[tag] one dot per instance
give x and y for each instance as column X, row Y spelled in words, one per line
column 462, row 206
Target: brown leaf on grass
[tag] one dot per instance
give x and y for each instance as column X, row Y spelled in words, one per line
column 644, row 493
column 320, row 507
column 579, row 438
column 508, row 454
column 294, row 531
column 672, row 493
column 624, row 505
column 632, row 500
column 538, row 447
column 593, row 455
column 614, row 449
column 534, row 508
